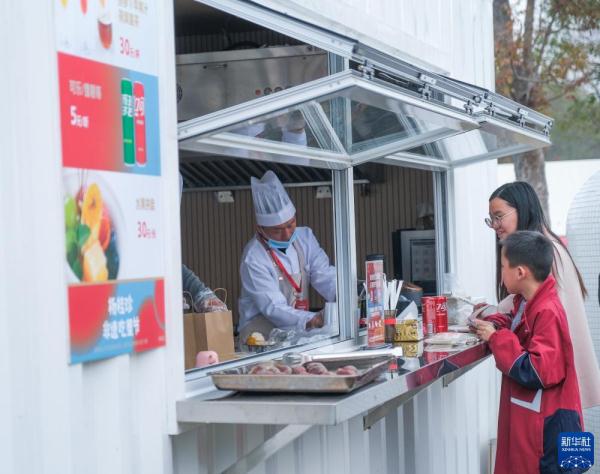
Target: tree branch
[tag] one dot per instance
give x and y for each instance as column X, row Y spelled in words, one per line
column 528, row 33
column 547, row 33
column 569, row 87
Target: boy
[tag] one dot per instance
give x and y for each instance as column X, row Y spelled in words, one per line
column 533, row 350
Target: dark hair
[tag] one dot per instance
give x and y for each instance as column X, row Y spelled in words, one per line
column 530, row 249
column 530, row 216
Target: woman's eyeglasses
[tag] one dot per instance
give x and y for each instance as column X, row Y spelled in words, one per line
column 494, row 221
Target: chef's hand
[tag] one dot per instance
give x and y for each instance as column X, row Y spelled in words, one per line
column 484, row 329
column 212, row 304
column 316, row 321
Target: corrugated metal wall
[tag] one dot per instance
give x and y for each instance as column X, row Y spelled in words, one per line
column 387, row 207
column 214, row 235
column 432, row 434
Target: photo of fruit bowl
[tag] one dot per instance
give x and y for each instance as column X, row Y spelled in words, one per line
column 93, row 227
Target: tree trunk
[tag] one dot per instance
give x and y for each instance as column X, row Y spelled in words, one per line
column 530, row 167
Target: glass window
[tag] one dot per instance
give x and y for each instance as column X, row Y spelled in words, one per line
column 395, row 218
column 220, row 247
column 495, row 139
column 383, row 119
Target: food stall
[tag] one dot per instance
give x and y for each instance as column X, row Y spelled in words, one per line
column 368, row 108
column 432, row 136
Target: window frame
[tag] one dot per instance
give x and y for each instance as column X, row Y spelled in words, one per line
column 481, row 107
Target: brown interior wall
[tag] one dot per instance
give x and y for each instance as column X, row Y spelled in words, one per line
column 214, row 235
column 389, row 206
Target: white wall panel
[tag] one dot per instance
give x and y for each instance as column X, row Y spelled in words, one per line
column 104, row 417
column 447, row 36
column 443, row 430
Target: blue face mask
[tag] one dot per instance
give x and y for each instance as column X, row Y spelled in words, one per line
column 278, row 244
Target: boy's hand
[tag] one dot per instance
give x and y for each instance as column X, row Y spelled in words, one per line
column 484, row 329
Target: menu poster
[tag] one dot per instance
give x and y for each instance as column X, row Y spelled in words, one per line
column 375, row 326
column 110, row 137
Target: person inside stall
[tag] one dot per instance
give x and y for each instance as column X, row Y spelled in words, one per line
column 287, row 128
column 203, row 299
column 278, row 265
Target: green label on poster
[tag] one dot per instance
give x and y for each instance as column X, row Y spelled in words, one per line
column 127, row 118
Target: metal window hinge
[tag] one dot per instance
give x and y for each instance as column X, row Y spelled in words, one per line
column 368, row 71
column 491, row 109
column 468, row 107
column 428, row 81
column 523, row 114
column 426, row 92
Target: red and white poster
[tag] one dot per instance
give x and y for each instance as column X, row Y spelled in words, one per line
column 110, row 137
column 375, row 314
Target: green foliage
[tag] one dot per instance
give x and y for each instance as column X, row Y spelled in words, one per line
column 545, row 43
column 547, row 58
column 576, row 133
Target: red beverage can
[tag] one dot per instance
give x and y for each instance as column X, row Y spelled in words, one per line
column 441, row 314
column 429, row 315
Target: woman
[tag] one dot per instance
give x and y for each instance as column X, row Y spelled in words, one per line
column 515, row 206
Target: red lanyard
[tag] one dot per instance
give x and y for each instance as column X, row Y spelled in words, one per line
column 285, row 272
column 282, row 268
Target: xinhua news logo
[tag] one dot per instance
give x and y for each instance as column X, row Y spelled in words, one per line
column 575, row 450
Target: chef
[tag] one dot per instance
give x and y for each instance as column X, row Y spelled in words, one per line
column 279, row 264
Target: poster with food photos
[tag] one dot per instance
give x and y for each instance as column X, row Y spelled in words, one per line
column 109, row 119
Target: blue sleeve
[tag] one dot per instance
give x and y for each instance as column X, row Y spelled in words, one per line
column 194, row 286
column 523, row 372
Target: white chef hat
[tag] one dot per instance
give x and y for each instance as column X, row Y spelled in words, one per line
column 272, row 205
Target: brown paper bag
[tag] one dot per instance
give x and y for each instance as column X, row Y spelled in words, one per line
column 207, row 332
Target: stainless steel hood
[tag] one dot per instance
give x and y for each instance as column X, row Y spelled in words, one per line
column 208, row 82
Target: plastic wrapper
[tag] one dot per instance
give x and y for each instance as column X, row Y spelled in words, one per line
column 482, row 312
column 458, row 310
column 450, row 339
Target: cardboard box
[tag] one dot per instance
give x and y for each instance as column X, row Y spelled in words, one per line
column 208, row 332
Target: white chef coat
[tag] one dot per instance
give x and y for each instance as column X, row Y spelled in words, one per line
column 260, row 281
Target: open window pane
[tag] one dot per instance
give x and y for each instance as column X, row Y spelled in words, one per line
column 294, row 126
column 495, row 139
column 384, row 118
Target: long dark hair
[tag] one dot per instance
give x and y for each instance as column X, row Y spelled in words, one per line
column 521, row 196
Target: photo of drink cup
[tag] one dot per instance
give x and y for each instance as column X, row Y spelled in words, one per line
column 139, row 116
column 105, row 29
column 127, row 107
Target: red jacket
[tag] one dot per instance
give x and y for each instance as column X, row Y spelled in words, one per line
column 540, row 393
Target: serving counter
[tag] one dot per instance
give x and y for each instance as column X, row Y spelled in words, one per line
column 404, row 379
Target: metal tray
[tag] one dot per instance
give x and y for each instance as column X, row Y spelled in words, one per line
column 239, row 379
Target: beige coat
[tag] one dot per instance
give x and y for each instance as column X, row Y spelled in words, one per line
column 569, row 293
